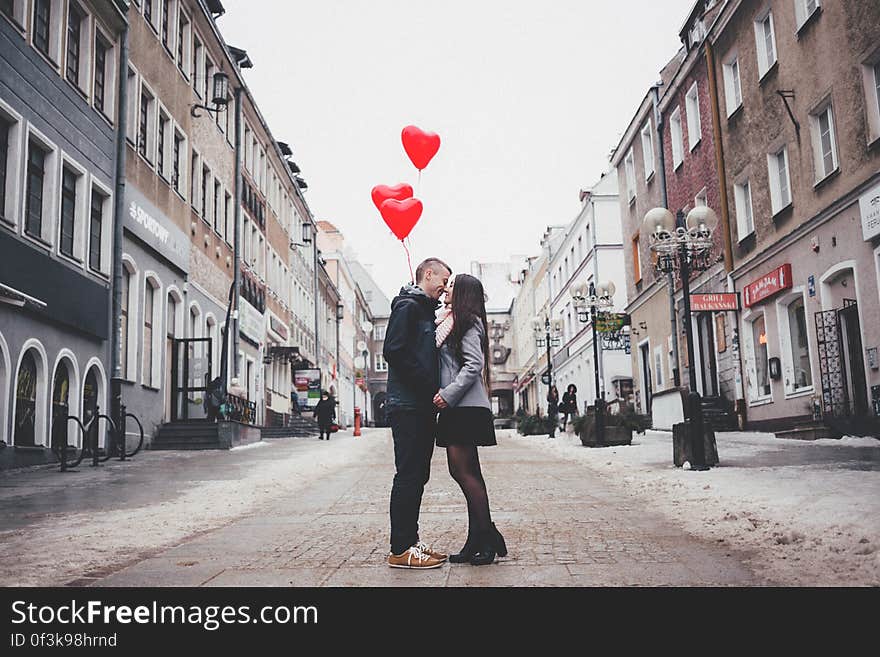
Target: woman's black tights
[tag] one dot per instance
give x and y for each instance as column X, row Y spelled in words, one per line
column 464, row 466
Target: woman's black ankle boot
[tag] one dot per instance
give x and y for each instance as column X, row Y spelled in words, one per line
column 485, row 553
column 466, row 552
column 500, row 546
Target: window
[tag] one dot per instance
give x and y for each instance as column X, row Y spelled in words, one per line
column 198, row 54
column 218, row 215
column 692, row 106
column 150, row 12
column 96, row 227
column 133, row 101
column 206, row 176
column 658, row 366
column 824, row 143
column 637, row 259
column 68, row 211
column 147, row 124
column 42, row 25
column 163, row 158
column 762, row 369
column 178, row 163
column 629, row 165
column 765, row 40
column 5, row 141
column 166, row 27
column 676, row 138
column 732, row 88
column 802, row 374
column 123, row 321
column 75, row 20
column 780, row 184
column 700, row 200
column 227, row 218
column 379, row 333
column 36, row 173
column 209, row 73
column 745, row 224
column 648, row 150
column 194, row 180
column 149, row 307
column 804, row 9
column 184, row 35
column 102, row 103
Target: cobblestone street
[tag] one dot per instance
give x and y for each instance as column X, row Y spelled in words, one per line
column 564, row 526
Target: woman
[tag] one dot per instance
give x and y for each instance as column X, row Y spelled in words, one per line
column 553, row 409
column 325, row 411
column 569, row 406
column 465, row 420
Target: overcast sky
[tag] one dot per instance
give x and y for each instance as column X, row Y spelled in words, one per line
column 528, row 99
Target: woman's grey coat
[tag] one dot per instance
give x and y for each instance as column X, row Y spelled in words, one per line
column 461, row 384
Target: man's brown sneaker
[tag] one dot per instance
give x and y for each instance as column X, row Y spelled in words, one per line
column 413, row 558
column 424, row 547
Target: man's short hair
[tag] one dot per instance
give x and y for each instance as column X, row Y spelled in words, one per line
column 429, row 263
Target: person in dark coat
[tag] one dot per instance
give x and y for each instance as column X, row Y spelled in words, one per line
column 569, row 406
column 410, row 350
column 553, row 409
column 325, row 411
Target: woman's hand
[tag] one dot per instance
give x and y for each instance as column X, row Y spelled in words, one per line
column 439, row 402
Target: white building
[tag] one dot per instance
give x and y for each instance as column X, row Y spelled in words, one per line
column 591, row 252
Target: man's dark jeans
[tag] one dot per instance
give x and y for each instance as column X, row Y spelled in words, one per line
column 413, row 433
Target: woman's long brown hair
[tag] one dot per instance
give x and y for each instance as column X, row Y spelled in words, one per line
column 469, row 307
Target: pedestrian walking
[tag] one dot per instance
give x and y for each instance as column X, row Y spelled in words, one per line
column 465, row 421
column 325, row 413
column 553, row 409
column 413, row 378
column 569, row 406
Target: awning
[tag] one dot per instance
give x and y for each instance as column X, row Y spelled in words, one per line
column 290, row 353
column 526, row 381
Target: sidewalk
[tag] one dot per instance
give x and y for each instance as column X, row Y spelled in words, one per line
column 809, row 511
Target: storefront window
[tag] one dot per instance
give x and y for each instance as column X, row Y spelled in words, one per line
column 762, row 374
column 800, row 353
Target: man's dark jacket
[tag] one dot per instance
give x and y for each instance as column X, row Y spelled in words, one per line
column 325, row 410
column 411, row 351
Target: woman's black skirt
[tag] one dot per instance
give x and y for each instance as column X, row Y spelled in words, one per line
column 466, row 425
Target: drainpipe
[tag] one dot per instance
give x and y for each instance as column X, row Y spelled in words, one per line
column 670, row 281
column 118, row 209
column 315, row 272
column 740, row 406
column 236, row 247
column 597, row 342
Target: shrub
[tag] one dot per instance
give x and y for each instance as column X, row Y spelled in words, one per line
column 532, row 425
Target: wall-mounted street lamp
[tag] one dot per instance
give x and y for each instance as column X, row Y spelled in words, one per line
column 220, row 97
column 588, row 300
column 685, row 245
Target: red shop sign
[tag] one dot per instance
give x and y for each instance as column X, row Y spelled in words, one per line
column 769, row 284
column 714, row 302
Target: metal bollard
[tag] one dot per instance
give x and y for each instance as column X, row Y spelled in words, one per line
column 121, row 430
column 95, row 462
column 63, row 444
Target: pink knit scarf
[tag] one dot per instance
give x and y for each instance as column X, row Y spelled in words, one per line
column 444, row 324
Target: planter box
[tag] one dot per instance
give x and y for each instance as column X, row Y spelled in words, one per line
column 681, row 444
column 614, row 435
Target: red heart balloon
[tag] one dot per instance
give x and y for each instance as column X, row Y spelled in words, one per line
column 401, row 216
column 421, row 146
column 382, row 193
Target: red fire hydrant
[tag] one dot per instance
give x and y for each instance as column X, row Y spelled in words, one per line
column 357, row 421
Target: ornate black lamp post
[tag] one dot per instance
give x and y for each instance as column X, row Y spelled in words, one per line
column 683, row 246
column 547, row 335
column 588, row 300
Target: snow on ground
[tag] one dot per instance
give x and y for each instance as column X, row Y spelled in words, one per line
column 65, row 547
column 805, row 513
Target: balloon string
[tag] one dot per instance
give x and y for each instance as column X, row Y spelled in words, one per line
column 419, row 185
column 408, row 262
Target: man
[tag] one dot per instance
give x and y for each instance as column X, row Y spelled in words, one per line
column 325, row 410
column 413, row 379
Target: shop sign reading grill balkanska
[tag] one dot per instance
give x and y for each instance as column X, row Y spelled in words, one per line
column 714, row 302
column 769, row 284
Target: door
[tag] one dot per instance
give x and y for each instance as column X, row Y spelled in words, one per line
column 647, row 381
column 171, row 324
column 90, row 404
column 855, row 364
column 60, row 404
column 708, row 364
column 191, row 374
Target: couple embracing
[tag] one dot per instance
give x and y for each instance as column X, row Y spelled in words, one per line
column 438, row 376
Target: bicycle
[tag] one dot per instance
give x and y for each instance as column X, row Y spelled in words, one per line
column 86, row 445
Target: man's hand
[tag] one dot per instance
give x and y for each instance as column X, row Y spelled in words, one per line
column 439, row 402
